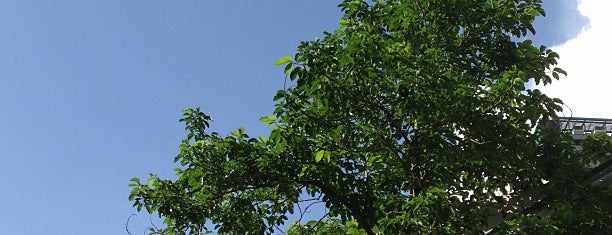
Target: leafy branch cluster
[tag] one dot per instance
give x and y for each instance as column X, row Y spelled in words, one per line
column 411, row 117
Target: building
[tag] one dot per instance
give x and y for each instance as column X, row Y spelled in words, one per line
column 580, row 128
column 600, row 174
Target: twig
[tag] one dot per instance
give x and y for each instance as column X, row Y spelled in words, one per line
column 317, row 223
column 127, row 223
column 151, row 221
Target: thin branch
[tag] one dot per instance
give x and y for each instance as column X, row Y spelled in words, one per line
column 317, row 223
column 358, row 212
column 151, row 221
column 280, row 230
column 305, row 210
column 301, row 214
column 127, row 224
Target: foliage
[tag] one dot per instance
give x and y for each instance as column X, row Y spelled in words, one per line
column 411, row 117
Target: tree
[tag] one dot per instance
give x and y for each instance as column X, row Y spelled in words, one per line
column 411, row 117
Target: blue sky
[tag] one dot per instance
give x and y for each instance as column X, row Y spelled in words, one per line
column 91, row 93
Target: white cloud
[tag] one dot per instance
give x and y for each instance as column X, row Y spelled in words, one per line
column 587, row 89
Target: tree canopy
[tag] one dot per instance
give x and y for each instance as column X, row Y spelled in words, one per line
column 412, row 117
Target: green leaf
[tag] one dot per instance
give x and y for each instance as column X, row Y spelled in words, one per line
column 294, row 73
column 178, row 171
column 268, row 120
column 555, row 75
column 279, row 95
column 283, row 60
column 560, row 70
column 238, row 133
column 288, row 68
column 319, row 155
column 150, row 181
